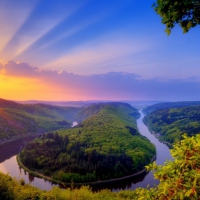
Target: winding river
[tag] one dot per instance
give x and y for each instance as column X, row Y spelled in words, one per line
column 8, row 164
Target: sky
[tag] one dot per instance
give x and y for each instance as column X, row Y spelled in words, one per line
column 94, row 50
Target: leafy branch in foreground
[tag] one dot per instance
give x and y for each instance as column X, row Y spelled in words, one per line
column 186, row 13
column 180, row 179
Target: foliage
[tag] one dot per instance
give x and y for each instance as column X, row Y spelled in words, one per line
column 106, row 145
column 172, row 123
column 179, row 179
column 185, row 13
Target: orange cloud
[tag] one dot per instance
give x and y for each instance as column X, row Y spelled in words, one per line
column 20, row 81
column 20, row 88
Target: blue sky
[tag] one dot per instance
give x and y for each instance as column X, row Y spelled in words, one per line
column 92, row 38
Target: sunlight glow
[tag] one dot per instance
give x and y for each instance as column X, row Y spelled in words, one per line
column 22, row 88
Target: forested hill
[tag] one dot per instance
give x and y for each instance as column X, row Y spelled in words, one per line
column 95, row 108
column 171, row 124
column 105, row 145
column 18, row 119
column 166, row 105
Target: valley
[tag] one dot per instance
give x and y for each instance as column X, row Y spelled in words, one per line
column 9, row 165
column 107, row 135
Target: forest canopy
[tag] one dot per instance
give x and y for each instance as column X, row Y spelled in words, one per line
column 170, row 124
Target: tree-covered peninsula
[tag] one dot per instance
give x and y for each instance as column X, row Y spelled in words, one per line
column 170, row 124
column 106, row 145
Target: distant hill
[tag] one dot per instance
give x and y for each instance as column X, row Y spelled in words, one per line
column 17, row 119
column 170, row 124
column 135, row 104
column 166, row 105
column 61, row 103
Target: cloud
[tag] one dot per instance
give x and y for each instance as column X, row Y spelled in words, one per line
column 12, row 68
column 95, row 37
column 109, row 86
column 96, row 56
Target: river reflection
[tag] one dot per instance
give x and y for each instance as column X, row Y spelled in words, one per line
column 8, row 164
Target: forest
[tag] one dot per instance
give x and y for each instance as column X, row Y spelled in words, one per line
column 105, row 145
column 170, row 124
column 179, row 179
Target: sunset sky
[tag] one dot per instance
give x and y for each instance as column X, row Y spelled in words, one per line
column 94, row 50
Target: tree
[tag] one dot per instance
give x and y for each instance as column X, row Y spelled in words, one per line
column 186, row 13
column 179, row 179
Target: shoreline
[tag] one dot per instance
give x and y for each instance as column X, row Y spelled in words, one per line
column 164, row 142
column 155, row 135
column 37, row 174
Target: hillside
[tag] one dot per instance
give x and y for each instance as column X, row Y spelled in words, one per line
column 18, row 119
column 166, row 105
column 171, row 124
column 105, row 145
column 95, row 108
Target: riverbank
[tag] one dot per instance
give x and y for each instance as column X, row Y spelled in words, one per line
column 157, row 135
column 37, row 174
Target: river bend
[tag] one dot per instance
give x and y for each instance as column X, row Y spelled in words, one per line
column 8, row 164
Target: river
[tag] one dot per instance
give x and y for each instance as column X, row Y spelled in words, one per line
column 8, row 164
